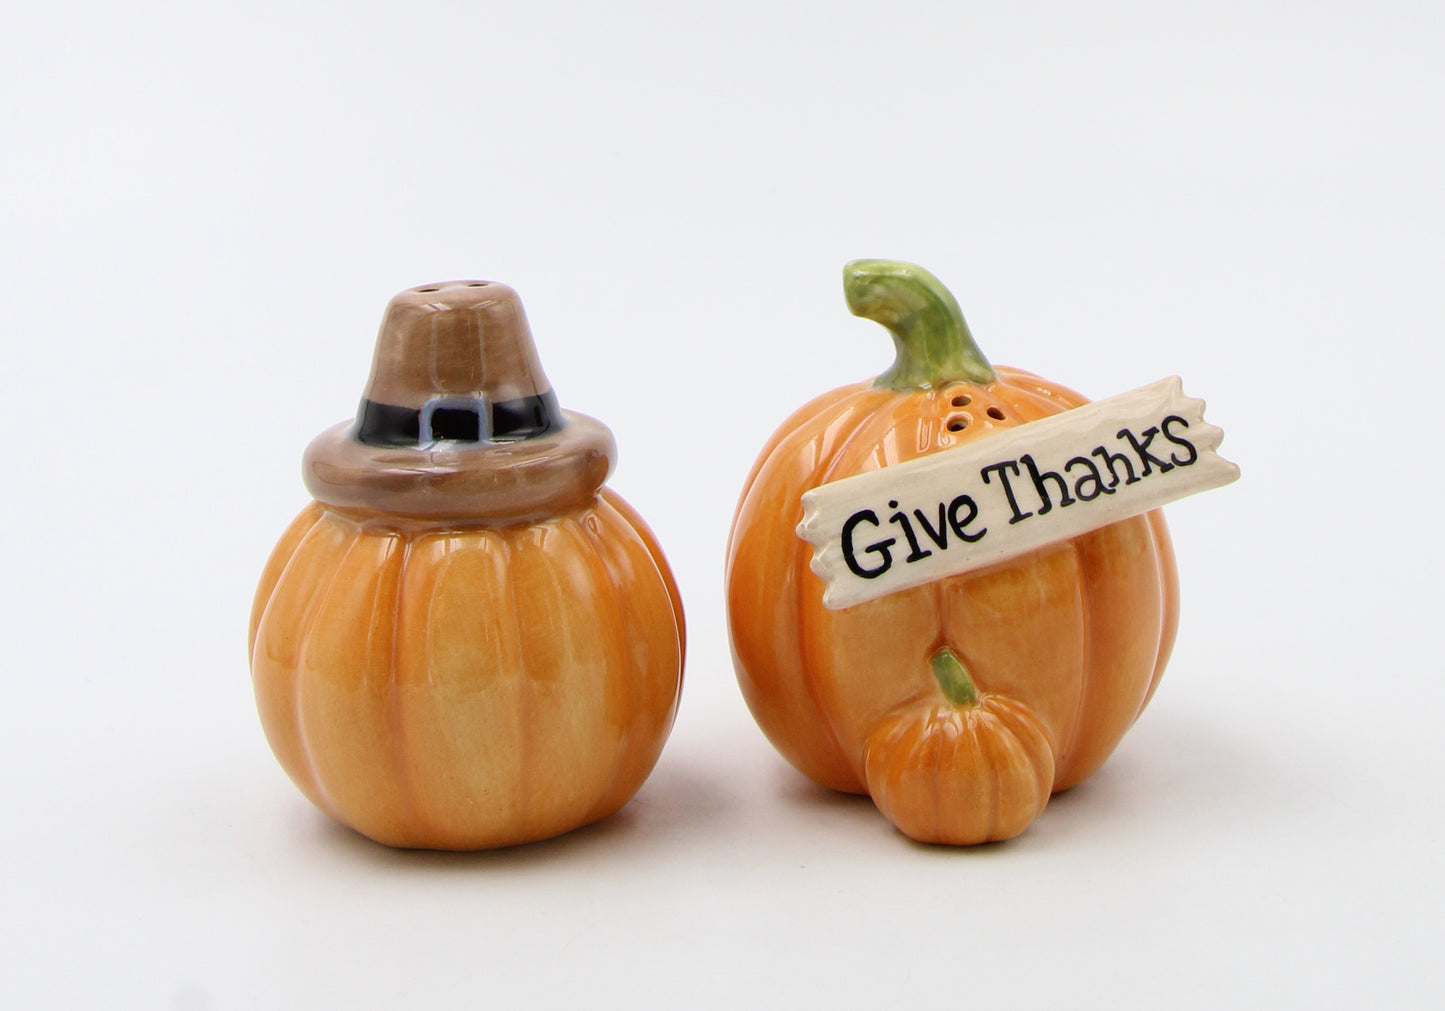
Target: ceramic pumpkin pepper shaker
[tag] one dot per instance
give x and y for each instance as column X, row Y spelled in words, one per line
column 466, row 640
column 961, row 704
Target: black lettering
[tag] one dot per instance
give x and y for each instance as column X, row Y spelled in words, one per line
column 1093, row 475
column 1109, row 461
column 1193, row 453
column 1040, row 481
column 939, row 536
column 1142, row 448
column 880, row 547
column 1007, row 488
column 915, row 553
column 959, row 525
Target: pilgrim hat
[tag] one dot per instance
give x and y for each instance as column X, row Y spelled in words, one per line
column 458, row 421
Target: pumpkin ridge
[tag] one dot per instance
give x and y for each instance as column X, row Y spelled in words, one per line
column 1020, row 395
column 978, row 734
column 930, row 734
column 633, row 520
column 815, row 433
column 661, row 685
column 800, row 418
column 813, row 429
column 259, row 605
column 396, row 717
column 802, row 426
column 582, row 641
column 1132, row 585
column 426, row 553
column 957, row 728
column 802, row 555
column 823, row 475
column 653, row 551
column 1036, row 386
column 1036, row 744
column 617, row 657
column 523, row 812
column 303, row 634
column 341, row 697
column 806, row 664
column 1066, row 748
column 1023, row 723
column 274, row 678
column 1163, row 615
column 608, row 512
column 1010, row 752
column 974, row 732
column 1169, row 611
column 774, row 676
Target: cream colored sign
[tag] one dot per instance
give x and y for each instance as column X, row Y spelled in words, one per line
column 1018, row 489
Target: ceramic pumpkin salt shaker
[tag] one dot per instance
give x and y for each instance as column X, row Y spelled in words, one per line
column 961, row 704
column 466, row 640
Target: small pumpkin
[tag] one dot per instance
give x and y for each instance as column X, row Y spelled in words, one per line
column 466, row 641
column 963, row 769
column 953, row 704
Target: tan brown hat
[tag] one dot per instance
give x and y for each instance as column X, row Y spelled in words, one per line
column 458, row 420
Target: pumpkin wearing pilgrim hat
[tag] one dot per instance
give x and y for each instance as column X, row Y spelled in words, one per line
column 466, row 640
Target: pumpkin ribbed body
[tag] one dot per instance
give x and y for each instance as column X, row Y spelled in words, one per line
column 1077, row 632
column 467, row 686
column 960, row 775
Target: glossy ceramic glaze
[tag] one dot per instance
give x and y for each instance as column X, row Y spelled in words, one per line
column 1064, row 645
column 466, row 642
column 963, row 768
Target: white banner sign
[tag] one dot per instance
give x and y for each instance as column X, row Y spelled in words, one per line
column 1013, row 491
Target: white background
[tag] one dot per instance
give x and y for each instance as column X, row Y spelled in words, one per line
column 201, row 217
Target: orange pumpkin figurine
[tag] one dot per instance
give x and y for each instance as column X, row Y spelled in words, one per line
column 466, row 641
column 962, row 704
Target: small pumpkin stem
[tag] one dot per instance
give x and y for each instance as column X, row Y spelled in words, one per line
column 934, row 344
column 953, row 678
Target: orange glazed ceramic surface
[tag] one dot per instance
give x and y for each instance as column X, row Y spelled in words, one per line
column 467, row 642
column 952, row 702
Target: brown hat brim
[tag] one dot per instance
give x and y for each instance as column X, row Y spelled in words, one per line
column 496, row 483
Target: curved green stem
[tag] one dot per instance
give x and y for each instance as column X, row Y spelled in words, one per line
column 953, row 678
column 934, row 345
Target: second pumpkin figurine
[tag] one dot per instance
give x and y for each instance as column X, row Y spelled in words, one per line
column 466, row 641
column 959, row 705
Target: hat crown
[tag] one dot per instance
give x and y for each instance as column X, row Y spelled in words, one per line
column 455, row 339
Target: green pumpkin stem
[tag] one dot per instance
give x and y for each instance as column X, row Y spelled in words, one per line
column 934, row 345
column 953, row 678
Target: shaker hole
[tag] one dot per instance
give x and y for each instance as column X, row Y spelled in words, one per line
column 957, row 424
column 995, row 414
column 477, row 284
column 428, row 289
column 962, row 400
